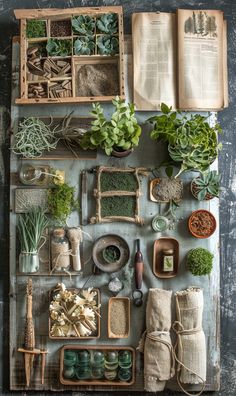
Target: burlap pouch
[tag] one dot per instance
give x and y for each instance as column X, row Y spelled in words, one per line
column 191, row 346
column 156, row 342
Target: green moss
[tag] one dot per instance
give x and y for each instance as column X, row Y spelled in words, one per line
column 61, row 202
column 35, row 28
column 118, row 206
column 118, row 181
column 200, row 261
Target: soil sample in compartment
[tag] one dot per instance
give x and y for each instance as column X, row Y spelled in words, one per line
column 61, row 28
column 97, row 80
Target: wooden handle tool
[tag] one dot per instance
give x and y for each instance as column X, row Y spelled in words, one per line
column 138, row 265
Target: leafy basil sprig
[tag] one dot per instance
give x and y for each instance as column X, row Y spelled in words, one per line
column 192, row 142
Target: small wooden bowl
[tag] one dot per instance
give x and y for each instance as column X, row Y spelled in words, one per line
column 160, row 245
column 194, row 214
column 154, row 183
column 126, row 302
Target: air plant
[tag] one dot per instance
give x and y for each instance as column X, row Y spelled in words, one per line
column 30, row 229
column 73, row 313
column 34, row 137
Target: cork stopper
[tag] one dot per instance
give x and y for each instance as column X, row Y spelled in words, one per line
column 168, row 252
column 59, row 232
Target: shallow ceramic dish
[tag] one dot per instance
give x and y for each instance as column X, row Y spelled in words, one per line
column 160, row 245
column 98, row 253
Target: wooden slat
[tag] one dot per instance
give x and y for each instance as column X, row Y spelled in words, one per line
column 52, row 12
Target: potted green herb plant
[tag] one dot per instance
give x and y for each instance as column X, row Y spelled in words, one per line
column 116, row 136
column 192, row 142
column 30, row 229
column 200, row 261
column 206, row 186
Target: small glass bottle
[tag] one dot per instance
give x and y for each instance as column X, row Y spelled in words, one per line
column 168, row 260
column 60, row 254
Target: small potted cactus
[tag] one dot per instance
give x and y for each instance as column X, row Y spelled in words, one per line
column 206, row 186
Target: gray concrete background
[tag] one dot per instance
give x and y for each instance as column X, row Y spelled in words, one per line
column 227, row 164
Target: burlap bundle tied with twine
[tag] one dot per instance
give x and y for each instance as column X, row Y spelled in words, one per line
column 190, row 345
column 156, row 343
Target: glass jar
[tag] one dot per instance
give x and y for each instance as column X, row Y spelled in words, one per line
column 60, row 254
column 34, row 175
column 28, row 262
column 168, row 260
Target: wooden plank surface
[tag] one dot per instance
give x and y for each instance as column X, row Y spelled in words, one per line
column 147, row 153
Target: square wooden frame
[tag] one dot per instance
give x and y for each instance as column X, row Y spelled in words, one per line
column 99, row 195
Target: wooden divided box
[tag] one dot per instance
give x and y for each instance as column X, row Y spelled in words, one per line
column 71, row 55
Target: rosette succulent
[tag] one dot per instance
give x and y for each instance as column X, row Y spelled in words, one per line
column 108, row 23
column 83, row 24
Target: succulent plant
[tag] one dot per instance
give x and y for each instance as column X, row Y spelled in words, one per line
column 200, row 261
column 57, row 47
column 84, row 45
column 108, row 23
column 192, row 142
column 206, row 185
column 83, row 24
column 108, row 45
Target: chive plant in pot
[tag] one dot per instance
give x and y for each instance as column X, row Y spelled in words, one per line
column 206, row 186
column 192, row 142
column 30, row 229
column 118, row 135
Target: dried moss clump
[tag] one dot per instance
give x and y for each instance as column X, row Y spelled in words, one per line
column 200, row 261
column 118, row 206
column 118, row 181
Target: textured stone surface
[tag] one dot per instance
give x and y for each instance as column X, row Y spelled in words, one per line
column 8, row 27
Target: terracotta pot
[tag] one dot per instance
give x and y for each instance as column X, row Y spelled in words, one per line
column 201, row 216
column 121, row 154
column 194, row 190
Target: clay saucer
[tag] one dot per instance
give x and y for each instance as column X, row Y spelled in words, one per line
column 160, row 245
column 98, row 252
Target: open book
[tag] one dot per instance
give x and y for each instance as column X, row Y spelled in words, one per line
column 180, row 59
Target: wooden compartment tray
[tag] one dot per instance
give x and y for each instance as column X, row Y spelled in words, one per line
column 119, row 307
column 91, row 349
column 65, row 77
column 160, row 245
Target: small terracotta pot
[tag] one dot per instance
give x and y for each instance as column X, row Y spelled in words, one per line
column 198, row 216
column 194, row 190
column 121, row 154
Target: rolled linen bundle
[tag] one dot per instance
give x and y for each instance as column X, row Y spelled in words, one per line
column 156, row 343
column 191, row 353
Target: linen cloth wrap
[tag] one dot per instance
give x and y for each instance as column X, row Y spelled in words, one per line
column 191, row 338
column 158, row 361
